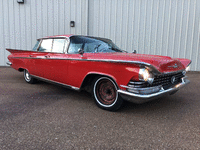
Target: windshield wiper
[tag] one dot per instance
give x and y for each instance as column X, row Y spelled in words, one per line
column 124, row 51
column 97, row 47
column 119, row 50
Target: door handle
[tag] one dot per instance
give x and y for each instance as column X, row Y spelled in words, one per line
column 30, row 55
column 46, row 56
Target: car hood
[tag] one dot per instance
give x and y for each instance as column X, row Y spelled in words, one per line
column 163, row 64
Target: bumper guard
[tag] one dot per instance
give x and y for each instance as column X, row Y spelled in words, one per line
column 142, row 98
column 9, row 63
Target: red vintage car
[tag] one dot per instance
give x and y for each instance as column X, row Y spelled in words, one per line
column 99, row 66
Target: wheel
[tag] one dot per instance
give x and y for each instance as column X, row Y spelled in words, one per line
column 105, row 94
column 28, row 78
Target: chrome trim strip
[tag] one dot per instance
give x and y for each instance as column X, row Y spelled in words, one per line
column 57, row 37
column 96, row 60
column 9, row 63
column 189, row 63
column 39, row 45
column 139, row 98
column 105, row 60
column 124, row 86
column 137, row 83
column 134, row 88
column 183, row 78
column 172, row 72
column 66, row 85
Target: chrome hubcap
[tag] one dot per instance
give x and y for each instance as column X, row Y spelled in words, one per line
column 106, row 92
column 27, row 75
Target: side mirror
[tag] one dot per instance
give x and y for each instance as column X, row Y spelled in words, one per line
column 81, row 51
column 134, row 52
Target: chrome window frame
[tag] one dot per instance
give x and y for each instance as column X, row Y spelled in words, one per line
column 41, row 40
column 64, row 48
column 67, row 46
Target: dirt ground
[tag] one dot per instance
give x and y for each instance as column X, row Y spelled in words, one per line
column 47, row 116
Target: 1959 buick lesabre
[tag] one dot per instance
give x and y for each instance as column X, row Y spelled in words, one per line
column 99, row 66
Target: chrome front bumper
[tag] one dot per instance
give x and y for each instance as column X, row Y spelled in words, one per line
column 9, row 63
column 142, row 98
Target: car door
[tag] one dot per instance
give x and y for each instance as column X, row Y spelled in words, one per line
column 57, row 62
column 30, row 61
column 77, row 66
column 81, row 64
column 40, row 58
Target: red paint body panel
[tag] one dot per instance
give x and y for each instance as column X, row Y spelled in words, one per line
column 71, row 69
column 185, row 62
column 62, row 68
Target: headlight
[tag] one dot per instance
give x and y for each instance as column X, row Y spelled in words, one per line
column 145, row 75
column 187, row 68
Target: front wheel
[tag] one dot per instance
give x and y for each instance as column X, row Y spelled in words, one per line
column 106, row 95
column 28, row 78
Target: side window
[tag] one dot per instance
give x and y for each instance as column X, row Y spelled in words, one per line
column 75, row 44
column 58, row 45
column 36, row 45
column 46, row 45
column 89, row 47
column 94, row 46
column 74, row 47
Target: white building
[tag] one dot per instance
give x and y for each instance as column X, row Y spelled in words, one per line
column 163, row 27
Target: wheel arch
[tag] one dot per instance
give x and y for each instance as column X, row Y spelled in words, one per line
column 21, row 69
column 89, row 78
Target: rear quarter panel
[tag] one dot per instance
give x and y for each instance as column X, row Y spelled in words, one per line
column 16, row 58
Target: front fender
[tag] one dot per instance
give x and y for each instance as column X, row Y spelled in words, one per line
column 185, row 62
column 92, row 75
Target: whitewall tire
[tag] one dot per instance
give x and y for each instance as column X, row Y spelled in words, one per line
column 105, row 94
column 28, row 78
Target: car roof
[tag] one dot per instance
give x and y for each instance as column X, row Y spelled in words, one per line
column 71, row 35
column 93, row 37
column 56, row 36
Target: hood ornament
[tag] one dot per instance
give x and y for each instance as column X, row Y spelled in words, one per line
column 174, row 66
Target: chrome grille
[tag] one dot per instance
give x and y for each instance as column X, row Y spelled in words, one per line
column 164, row 80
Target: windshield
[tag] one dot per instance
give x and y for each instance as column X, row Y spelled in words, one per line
column 92, row 45
column 36, row 45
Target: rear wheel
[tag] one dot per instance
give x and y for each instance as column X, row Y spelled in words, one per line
column 106, row 95
column 28, row 78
